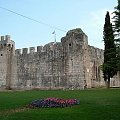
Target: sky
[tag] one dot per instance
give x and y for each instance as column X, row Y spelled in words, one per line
column 53, row 15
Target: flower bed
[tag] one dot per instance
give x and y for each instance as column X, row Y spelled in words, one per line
column 53, row 102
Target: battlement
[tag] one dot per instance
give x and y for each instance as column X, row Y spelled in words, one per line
column 29, row 50
column 5, row 38
column 18, row 51
column 5, row 41
column 48, row 47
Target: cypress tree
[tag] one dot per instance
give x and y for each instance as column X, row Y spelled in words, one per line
column 116, row 27
column 110, row 63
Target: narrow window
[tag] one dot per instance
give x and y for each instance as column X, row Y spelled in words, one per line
column 9, row 45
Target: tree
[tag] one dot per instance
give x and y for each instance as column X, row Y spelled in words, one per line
column 109, row 66
column 116, row 27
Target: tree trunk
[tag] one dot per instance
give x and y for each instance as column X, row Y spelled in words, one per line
column 108, row 82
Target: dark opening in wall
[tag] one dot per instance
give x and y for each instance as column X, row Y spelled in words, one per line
column 70, row 44
column 1, row 54
column 1, row 46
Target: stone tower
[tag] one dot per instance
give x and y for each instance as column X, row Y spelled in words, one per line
column 75, row 45
column 7, row 52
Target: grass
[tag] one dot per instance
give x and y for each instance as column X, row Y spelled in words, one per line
column 94, row 105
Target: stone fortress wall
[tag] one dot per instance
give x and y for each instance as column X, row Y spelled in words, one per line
column 69, row 64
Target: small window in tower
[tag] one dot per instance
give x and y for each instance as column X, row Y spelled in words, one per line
column 9, row 45
column 70, row 44
column 1, row 54
column 4, row 44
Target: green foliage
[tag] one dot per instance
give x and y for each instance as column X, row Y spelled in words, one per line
column 117, row 18
column 109, row 66
column 116, row 27
column 94, row 105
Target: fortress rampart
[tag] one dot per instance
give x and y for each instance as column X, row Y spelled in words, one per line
column 69, row 64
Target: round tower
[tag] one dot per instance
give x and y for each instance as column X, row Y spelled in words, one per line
column 7, row 52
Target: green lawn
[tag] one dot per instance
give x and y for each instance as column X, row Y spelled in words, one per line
column 94, row 105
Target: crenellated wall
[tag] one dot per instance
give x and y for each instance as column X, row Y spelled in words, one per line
column 42, row 68
column 69, row 64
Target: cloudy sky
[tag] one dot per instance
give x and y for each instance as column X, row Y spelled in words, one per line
column 41, row 17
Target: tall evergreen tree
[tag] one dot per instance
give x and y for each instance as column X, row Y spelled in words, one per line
column 109, row 65
column 116, row 27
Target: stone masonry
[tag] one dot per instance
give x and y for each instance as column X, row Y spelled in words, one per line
column 69, row 64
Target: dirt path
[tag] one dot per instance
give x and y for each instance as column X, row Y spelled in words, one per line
column 11, row 111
